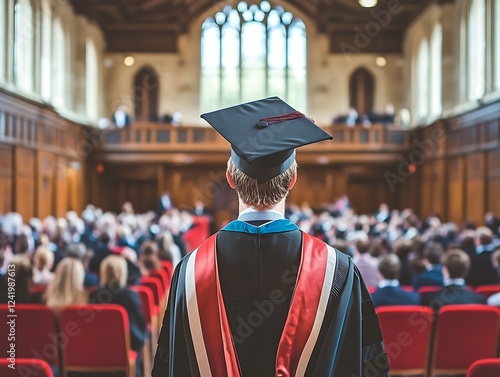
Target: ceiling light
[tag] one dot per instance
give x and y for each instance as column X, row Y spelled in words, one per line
column 129, row 61
column 368, row 3
column 381, row 61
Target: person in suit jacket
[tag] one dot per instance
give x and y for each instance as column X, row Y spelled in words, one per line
column 389, row 292
column 433, row 276
column 482, row 271
column 456, row 264
column 113, row 290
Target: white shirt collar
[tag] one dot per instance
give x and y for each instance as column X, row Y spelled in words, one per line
column 251, row 214
column 458, row 281
column 388, row 283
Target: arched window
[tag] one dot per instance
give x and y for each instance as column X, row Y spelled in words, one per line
column 435, row 99
column 251, row 52
column 146, row 94
column 24, row 26
column 361, row 90
column 476, row 50
column 422, row 81
column 45, row 53
column 59, row 66
column 91, row 80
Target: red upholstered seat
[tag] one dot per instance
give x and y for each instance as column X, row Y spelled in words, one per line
column 464, row 334
column 168, row 267
column 164, row 279
column 488, row 290
column 35, row 331
column 25, row 367
column 429, row 289
column 485, row 368
column 407, row 337
column 149, row 310
column 407, row 288
column 155, row 285
column 98, row 339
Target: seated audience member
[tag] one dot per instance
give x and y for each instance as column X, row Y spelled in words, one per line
column 80, row 252
column 67, row 286
column 23, row 276
column 402, row 248
column 113, row 291
column 495, row 299
column 482, row 271
column 167, row 249
column 433, row 276
column 388, row 291
column 42, row 266
column 148, row 258
column 367, row 265
column 456, row 264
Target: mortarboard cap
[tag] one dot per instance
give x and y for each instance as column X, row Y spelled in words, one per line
column 264, row 134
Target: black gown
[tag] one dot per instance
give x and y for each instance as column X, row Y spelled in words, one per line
column 257, row 274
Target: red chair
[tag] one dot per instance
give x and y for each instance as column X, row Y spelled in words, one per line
column 429, row 289
column 372, row 289
column 485, row 368
column 168, row 267
column 163, row 276
column 464, row 334
column 98, row 339
column 155, row 285
column 488, row 290
column 36, row 334
column 25, row 367
column 407, row 337
column 407, row 288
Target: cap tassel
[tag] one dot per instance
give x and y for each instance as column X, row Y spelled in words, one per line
column 264, row 122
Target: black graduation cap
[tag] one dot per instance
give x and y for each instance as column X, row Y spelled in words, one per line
column 264, row 134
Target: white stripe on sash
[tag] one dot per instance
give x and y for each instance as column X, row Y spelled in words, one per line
column 194, row 318
column 320, row 314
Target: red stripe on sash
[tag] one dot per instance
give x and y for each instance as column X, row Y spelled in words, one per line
column 215, row 327
column 304, row 305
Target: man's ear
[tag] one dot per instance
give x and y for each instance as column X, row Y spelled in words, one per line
column 230, row 180
column 292, row 183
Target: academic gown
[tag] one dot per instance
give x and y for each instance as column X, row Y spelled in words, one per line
column 257, row 269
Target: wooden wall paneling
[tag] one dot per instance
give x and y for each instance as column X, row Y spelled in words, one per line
column 438, row 203
column 61, row 188
column 424, row 208
column 76, row 192
column 475, row 187
column 6, row 181
column 24, row 182
column 456, row 189
column 493, row 181
column 45, row 184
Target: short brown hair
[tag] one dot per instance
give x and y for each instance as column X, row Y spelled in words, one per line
column 457, row 262
column 389, row 266
column 258, row 194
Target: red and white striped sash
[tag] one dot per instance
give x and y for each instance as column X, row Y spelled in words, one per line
column 210, row 331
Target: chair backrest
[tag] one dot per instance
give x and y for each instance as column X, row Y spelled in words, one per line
column 488, row 290
column 168, row 267
column 407, row 333
column 25, row 367
column 163, row 276
column 429, row 289
column 147, row 301
column 485, row 368
column 465, row 334
column 407, row 288
column 155, row 286
column 97, row 336
column 35, row 332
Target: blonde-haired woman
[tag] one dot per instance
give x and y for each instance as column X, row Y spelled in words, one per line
column 67, row 286
column 113, row 290
column 42, row 264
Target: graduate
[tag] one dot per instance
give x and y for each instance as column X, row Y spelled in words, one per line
column 260, row 298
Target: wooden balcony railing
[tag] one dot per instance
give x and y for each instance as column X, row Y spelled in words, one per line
column 153, row 137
